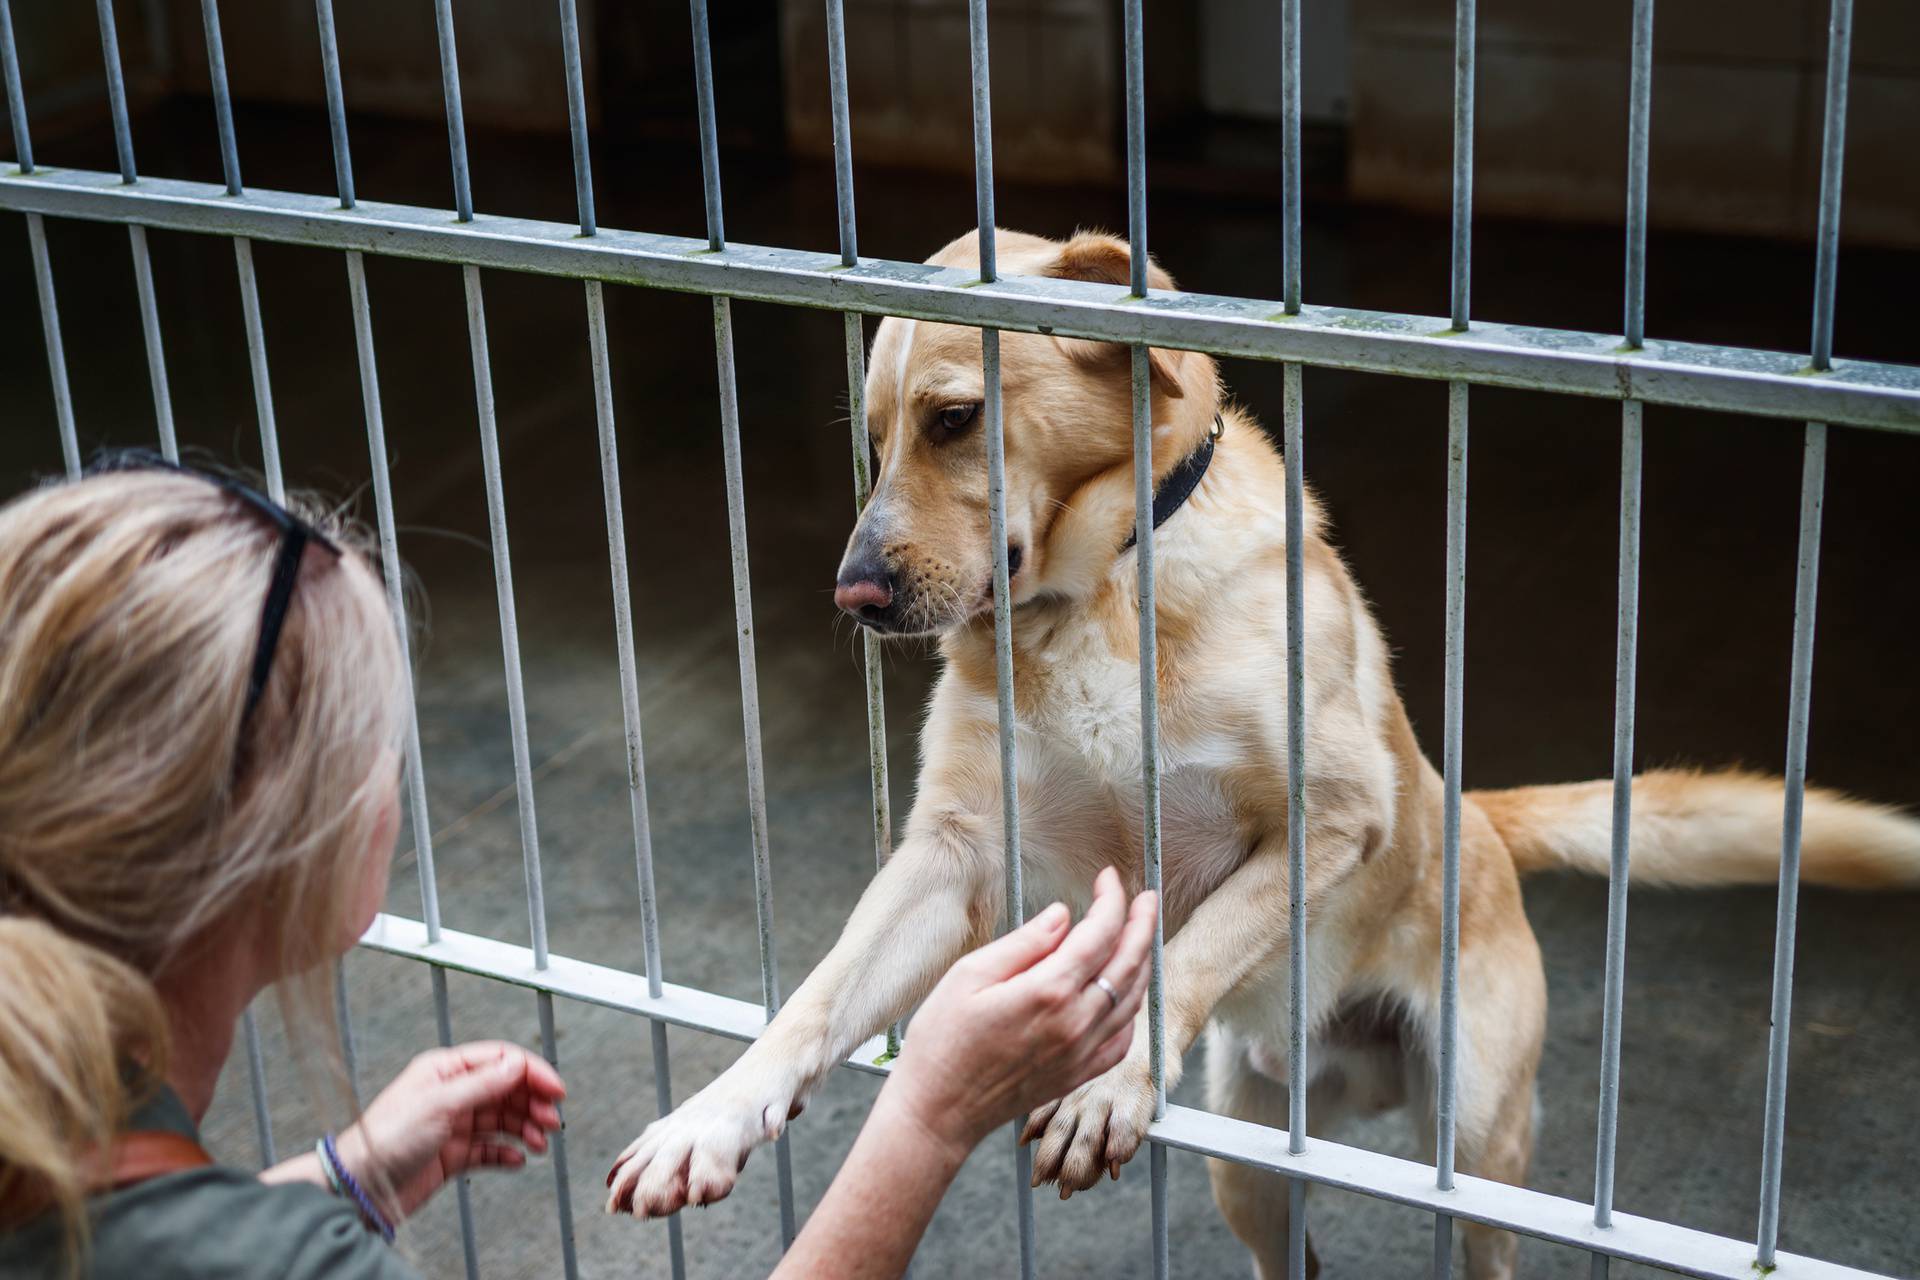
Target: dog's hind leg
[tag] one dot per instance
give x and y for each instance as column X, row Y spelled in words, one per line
column 1254, row 1202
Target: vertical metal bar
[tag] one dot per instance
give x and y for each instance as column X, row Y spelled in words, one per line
column 222, row 99
column 16, row 97
column 1447, row 1073
column 56, row 350
column 116, row 88
column 1290, row 192
column 562, row 1181
column 630, row 702
column 336, row 101
column 1002, row 591
column 1142, row 388
column 156, row 353
column 456, row 114
column 1625, row 645
column 257, row 1082
column 982, row 138
column 257, row 360
column 1806, row 589
column 1292, row 434
column 709, row 128
column 1448, row 1064
column 1463, row 51
column 137, row 235
column 577, row 115
column 1606, row 1138
column 390, row 564
column 463, row 1185
column 855, row 342
column 742, row 590
column 343, row 1015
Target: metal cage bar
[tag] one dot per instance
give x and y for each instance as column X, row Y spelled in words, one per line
column 503, row 583
column 742, row 586
column 863, row 479
column 1805, row 596
column 1627, row 630
column 991, row 409
column 361, row 307
column 1447, row 1069
column 622, row 590
column 137, row 235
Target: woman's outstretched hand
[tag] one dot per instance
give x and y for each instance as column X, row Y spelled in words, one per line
column 1011, row 1027
column 1023, row 1020
column 487, row 1104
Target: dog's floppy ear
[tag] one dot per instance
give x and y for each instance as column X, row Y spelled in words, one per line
column 1105, row 259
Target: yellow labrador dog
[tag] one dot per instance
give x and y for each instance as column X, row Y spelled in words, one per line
column 919, row 563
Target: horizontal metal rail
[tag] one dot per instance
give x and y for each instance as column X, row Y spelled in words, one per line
column 1765, row 384
column 1534, row 1213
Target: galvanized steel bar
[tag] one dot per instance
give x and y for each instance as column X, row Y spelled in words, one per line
column 137, row 235
column 336, row 101
column 750, row 710
column 156, row 353
column 577, row 114
column 1639, row 121
column 463, row 1185
column 257, row 1087
column 1002, row 578
column 855, row 342
column 709, row 126
column 1626, row 638
column 222, row 97
column 16, row 97
column 343, row 1016
column 1290, row 190
column 1806, row 590
column 257, row 362
column 455, row 112
column 1293, row 430
column 56, row 350
column 630, row 705
column 1447, row 1073
column 562, row 1184
column 1463, row 55
column 1764, row 384
column 116, row 88
column 742, row 589
column 1625, row 645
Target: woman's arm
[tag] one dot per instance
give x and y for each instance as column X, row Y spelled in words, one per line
column 1012, row 1026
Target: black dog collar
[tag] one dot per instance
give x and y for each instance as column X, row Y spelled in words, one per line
column 1181, row 482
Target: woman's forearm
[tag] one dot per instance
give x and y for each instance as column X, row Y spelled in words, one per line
column 873, row 1215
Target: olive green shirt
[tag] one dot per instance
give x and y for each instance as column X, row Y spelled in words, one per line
column 212, row 1223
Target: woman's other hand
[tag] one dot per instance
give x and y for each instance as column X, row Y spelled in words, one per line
column 1023, row 1021
column 484, row 1104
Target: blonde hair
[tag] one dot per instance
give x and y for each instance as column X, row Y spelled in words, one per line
column 138, row 816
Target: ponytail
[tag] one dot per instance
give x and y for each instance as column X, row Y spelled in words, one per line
column 74, row 1022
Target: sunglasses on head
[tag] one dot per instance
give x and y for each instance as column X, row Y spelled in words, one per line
column 295, row 536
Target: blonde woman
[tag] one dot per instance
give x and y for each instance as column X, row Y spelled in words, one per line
column 201, row 701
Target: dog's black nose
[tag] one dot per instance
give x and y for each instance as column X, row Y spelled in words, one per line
column 865, row 589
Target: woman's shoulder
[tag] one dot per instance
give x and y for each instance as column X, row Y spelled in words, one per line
column 218, row 1223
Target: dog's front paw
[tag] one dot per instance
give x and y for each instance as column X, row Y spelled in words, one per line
column 693, row 1156
column 1098, row 1127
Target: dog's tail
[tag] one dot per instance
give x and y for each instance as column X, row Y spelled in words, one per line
column 1694, row 828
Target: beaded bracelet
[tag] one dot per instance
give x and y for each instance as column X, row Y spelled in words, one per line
column 343, row 1184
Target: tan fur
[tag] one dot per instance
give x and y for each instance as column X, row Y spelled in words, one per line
column 1373, row 800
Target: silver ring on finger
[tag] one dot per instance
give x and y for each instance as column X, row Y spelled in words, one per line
column 1107, row 987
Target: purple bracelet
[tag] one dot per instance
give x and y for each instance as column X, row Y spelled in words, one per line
column 338, row 1169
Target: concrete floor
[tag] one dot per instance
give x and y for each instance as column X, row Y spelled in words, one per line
column 1721, row 519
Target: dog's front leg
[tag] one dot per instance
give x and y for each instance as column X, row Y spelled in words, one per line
column 1238, row 928
column 936, row 898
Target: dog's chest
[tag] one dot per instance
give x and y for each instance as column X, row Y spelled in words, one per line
column 1083, row 778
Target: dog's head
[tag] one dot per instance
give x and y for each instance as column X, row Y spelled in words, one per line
column 920, row 559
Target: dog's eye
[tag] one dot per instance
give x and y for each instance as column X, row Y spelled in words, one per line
column 958, row 417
